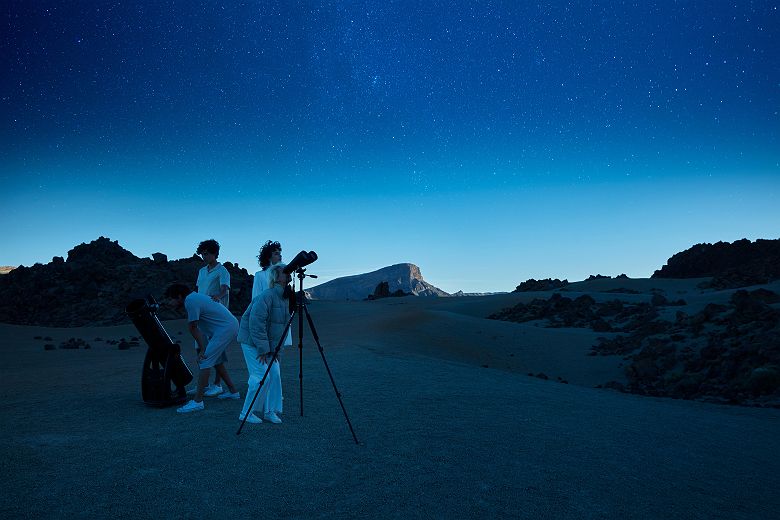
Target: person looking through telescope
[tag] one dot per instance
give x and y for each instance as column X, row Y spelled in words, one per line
column 270, row 255
column 213, row 327
column 260, row 331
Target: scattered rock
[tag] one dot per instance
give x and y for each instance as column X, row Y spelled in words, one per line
column 74, row 343
column 560, row 311
column 735, row 361
column 623, row 290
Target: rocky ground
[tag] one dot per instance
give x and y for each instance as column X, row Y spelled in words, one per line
column 726, row 352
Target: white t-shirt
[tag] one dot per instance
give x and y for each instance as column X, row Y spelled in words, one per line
column 260, row 284
column 210, row 282
column 213, row 318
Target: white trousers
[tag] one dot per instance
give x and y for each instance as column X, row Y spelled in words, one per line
column 270, row 397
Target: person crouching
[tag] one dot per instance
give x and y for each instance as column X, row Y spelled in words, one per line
column 213, row 327
column 260, row 331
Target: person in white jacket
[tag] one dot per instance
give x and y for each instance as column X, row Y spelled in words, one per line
column 259, row 332
column 270, row 255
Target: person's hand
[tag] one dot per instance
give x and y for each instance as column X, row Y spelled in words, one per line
column 201, row 352
column 215, row 298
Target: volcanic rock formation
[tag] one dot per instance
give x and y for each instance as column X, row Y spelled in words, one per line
column 403, row 277
column 96, row 282
column 739, row 264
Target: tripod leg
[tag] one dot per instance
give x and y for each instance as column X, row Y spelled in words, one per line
column 325, row 361
column 267, row 370
column 300, row 346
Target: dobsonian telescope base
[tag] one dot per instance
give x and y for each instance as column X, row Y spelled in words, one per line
column 165, row 374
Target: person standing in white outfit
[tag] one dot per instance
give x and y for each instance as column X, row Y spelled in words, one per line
column 259, row 332
column 270, row 255
column 214, row 282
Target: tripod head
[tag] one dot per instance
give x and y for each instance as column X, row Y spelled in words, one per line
column 300, row 273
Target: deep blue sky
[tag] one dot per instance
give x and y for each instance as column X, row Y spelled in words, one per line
column 487, row 142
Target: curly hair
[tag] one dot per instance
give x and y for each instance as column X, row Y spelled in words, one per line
column 264, row 258
column 208, row 246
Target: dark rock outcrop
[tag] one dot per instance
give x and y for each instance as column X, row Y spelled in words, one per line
column 725, row 353
column 548, row 284
column 95, row 283
column 738, row 264
column 404, row 277
column 383, row 291
column 584, row 311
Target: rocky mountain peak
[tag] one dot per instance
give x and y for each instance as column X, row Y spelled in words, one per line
column 405, row 277
column 102, row 250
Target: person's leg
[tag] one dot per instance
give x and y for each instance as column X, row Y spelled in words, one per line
column 203, row 380
column 273, row 402
column 255, row 374
column 225, row 377
column 261, row 403
column 214, row 354
column 217, row 377
column 207, row 336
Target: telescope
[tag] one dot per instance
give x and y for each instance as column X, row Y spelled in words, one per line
column 301, row 260
column 165, row 374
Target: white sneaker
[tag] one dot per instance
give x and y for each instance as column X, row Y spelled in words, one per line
column 228, row 395
column 191, row 406
column 251, row 419
column 213, row 390
column 272, row 417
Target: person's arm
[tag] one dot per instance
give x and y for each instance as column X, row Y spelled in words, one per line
column 199, row 339
column 224, row 284
column 223, row 290
column 258, row 325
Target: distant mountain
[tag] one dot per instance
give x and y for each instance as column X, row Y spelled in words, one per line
column 737, row 264
column 404, row 277
column 5, row 269
column 461, row 293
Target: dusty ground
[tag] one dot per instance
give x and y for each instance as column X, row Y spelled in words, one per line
column 441, row 436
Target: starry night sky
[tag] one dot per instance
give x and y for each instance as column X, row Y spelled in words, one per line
column 487, row 142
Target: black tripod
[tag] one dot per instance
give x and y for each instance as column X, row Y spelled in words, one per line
column 300, row 309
